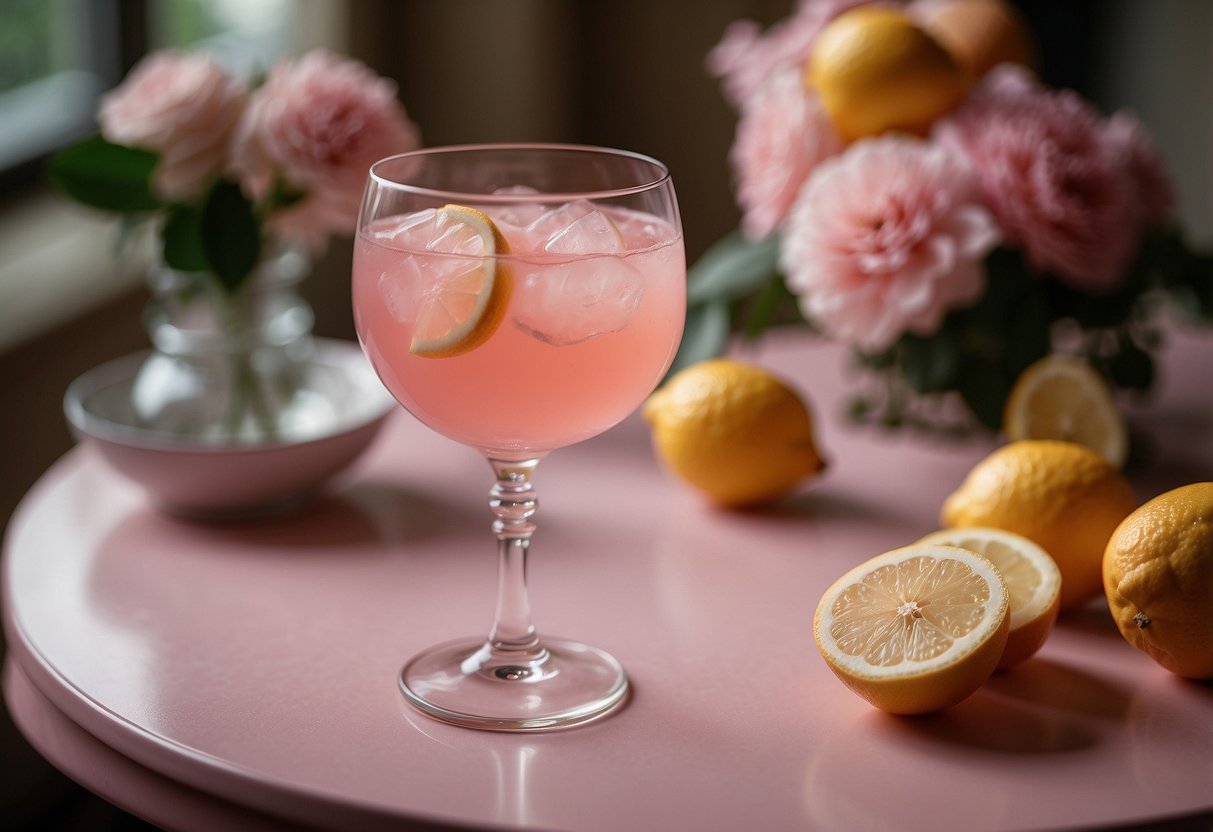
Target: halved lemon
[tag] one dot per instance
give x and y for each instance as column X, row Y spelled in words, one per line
column 467, row 289
column 916, row 629
column 1032, row 578
column 1062, row 397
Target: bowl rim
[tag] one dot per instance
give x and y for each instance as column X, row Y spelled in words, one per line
column 335, row 352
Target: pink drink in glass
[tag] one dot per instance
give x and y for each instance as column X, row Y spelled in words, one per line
column 539, row 325
column 586, row 335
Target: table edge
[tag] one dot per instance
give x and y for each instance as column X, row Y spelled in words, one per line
column 177, row 762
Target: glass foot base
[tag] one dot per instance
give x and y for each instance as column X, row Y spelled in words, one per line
column 467, row 683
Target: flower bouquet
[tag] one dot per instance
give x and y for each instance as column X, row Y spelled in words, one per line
column 240, row 184
column 910, row 188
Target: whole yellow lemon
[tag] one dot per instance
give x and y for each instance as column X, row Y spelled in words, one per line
column 876, row 70
column 1158, row 576
column 1064, row 497
column 734, row 431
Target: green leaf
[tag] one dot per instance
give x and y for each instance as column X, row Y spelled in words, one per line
column 283, row 195
column 1185, row 273
column 733, row 267
column 1110, row 309
column 766, row 308
column 1027, row 336
column 106, row 176
column 929, row 365
column 182, row 237
column 1195, row 302
column 883, row 360
column 705, row 336
column 1006, row 267
column 231, row 235
column 859, row 409
column 1008, row 283
column 1131, row 366
column 984, row 389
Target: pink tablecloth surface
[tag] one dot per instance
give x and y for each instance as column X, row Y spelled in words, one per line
column 256, row 661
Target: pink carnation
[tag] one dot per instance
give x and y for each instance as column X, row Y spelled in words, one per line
column 885, row 239
column 181, row 107
column 747, row 57
column 1053, row 177
column 782, row 134
column 318, row 123
column 1155, row 198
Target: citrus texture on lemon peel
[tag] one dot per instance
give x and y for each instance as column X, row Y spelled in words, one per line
column 1062, row 496
column 1063, row 397
column 734, row 431
column 1158, row 578
column 915, row 630
column 1032, row 579
column 466, row 300
column 876, row 71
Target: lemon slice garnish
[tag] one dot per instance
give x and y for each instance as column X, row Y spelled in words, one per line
column 468, row 288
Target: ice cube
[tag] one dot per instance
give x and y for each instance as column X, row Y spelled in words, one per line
column 572, row 302
column 556, row 220
column 401, row 289
column 415, row 228
column 592, row 233
column 516, row 215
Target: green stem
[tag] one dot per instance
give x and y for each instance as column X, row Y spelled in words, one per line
column 247, row 393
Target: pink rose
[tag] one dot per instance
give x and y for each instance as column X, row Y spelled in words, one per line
column 747, row 57
column 1053, row 177
column 885, row 239
column 783, row 133
column 182, row 107
column 318, row 123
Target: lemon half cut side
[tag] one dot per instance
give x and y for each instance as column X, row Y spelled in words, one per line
column 468, row 288
column 916, row 629
column 1063, row 397
column 1032, row 578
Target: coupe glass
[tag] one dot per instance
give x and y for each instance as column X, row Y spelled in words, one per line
column 517, row 299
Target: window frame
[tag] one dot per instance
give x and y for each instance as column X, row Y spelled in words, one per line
column 47, row 114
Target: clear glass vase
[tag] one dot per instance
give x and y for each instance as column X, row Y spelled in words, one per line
column 228, row 367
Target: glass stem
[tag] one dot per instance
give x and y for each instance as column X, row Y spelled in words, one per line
column 512, row 501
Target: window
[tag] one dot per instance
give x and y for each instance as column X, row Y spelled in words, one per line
column 58, row 56
column 246, row 36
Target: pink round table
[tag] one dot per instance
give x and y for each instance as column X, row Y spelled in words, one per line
column 242, row 676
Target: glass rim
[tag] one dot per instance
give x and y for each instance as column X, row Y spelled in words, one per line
column 513, row 199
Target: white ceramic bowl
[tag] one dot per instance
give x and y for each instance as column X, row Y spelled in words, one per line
column 192, row 478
